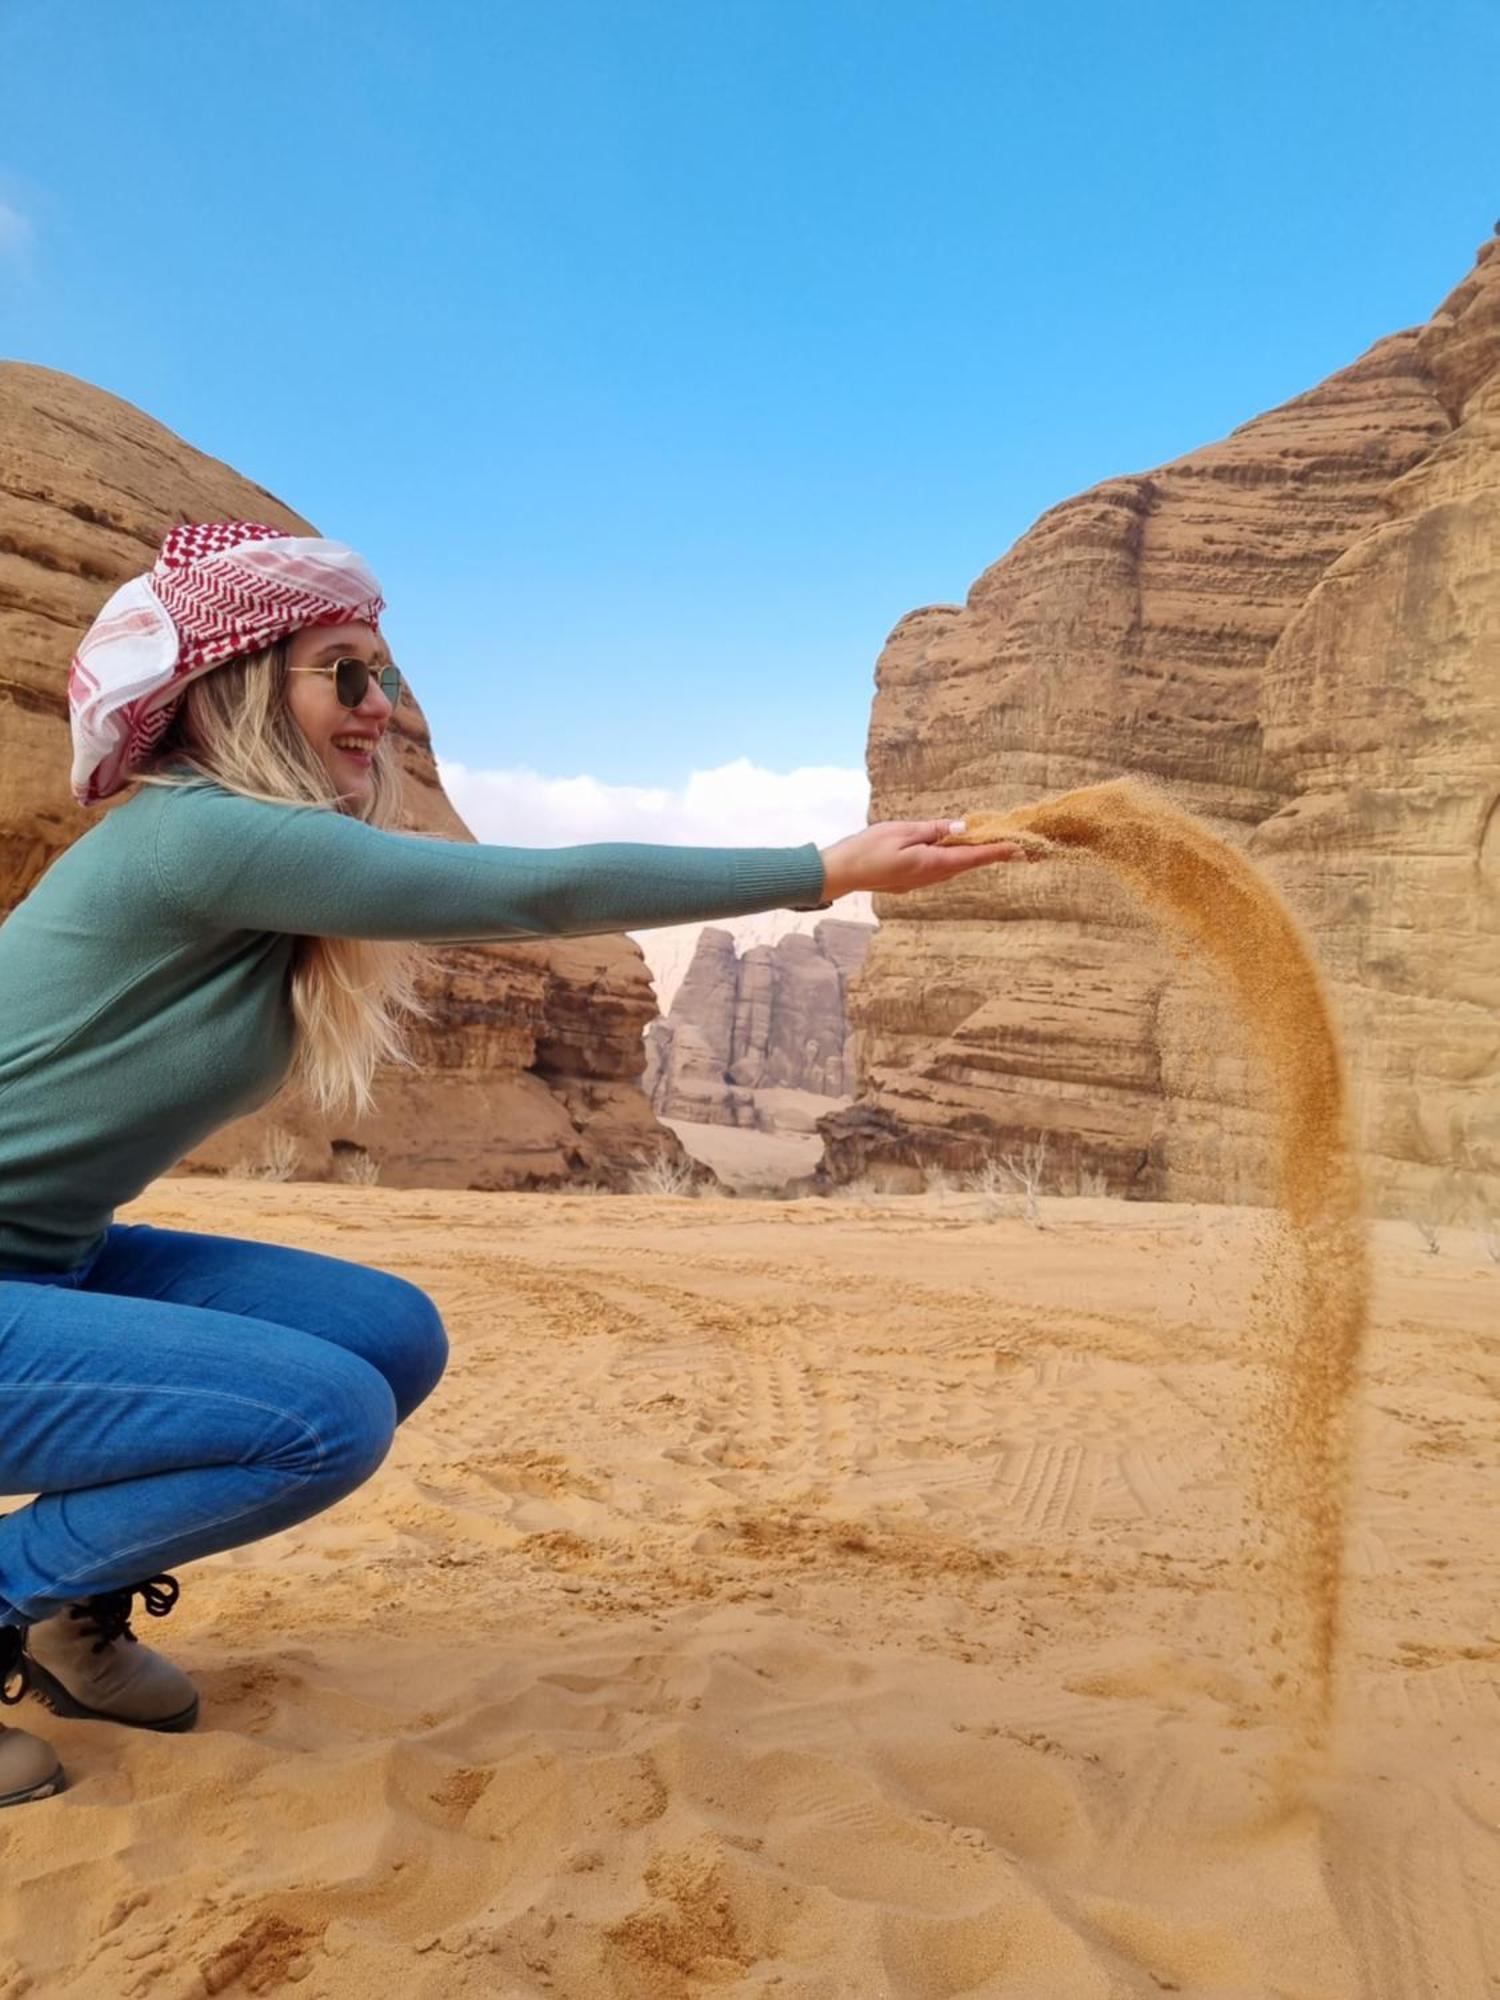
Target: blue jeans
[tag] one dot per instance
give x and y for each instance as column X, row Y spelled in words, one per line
column 180, row 1394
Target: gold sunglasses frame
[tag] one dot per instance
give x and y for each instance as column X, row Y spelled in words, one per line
column 375, row 673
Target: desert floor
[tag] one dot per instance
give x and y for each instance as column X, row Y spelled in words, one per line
column 756, row 1162
column 818, row 1598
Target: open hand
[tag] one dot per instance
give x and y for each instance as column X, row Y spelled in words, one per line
column 896, row 855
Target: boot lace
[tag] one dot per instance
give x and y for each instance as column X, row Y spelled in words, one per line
column 108, row 1612
column 12, row 1664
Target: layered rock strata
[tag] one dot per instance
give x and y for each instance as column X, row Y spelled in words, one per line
column 530, row 1066
column 1296, row 631
column 774, row 1019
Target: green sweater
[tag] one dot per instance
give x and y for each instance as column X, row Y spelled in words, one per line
column 144, row 995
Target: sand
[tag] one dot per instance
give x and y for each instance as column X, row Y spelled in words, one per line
column 1219, row 912
column 747, row 1159
column 811, row 1598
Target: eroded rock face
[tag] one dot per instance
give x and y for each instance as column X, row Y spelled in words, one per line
column 530, row 1067
column 1297, row 632
column 772, row 1019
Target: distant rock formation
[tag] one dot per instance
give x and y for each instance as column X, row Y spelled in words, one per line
column 1297, row 632
column 531, row 1065
column 669, row 948
column 774, row 1019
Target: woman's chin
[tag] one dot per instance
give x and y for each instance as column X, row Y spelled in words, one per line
column 354, row 794
column 353, row 777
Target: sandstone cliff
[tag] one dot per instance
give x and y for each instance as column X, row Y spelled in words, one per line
column 771, row 1020
column 532, row 1062
column 1297, row 631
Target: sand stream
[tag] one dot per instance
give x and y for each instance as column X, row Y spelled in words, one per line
column 1221, row 911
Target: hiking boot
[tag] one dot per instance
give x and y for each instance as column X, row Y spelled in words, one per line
column 85, row 1661
column 28, row 1767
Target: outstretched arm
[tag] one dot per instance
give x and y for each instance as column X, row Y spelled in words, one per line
column 238, row 864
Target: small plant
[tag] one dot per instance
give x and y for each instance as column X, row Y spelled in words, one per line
column 1011, row 1184
column 662, row 1175
column 1426, row 1228
column 1026, row 1169
column 1093, row 1181
column 993, row 1184
column 360, row 1167
column 281, row 1152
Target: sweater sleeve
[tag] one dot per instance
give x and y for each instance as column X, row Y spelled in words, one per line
column 233, row 863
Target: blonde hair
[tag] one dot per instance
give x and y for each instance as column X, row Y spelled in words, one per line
column 235, row 728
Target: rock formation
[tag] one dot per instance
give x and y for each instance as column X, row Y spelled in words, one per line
column 1297, row 632
column 772, row 1020
column 669, row 948
column 530, row 1067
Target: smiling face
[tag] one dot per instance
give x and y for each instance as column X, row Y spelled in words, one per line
column 344, row 738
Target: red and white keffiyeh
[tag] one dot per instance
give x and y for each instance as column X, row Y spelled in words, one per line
column 217, row 588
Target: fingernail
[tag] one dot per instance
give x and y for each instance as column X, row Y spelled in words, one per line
column 957, row 825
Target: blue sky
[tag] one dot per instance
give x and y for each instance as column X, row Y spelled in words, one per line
column 660, row 354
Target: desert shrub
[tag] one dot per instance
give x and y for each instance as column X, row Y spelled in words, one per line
column 281, row 1153
column 862, row 1188
column 991, row 1180
column 660, row 1174
column 1011, row 1183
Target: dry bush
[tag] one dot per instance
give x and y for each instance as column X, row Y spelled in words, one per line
column 662, row 1175
column 992, row 1181
column 1093, row 1181
column 862, row 1188
column 1026, row 1169
column 281, row 1154
column 995, row 1189
column 1012, row 1183
column 361, row 1168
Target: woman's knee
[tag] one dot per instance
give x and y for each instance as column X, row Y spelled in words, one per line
column 417, row 1346
column 351, row 1417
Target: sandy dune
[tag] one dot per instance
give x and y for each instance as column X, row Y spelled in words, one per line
column 813, row 1599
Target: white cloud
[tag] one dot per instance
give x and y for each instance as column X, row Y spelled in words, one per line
column 15, row 230
column 737, row 805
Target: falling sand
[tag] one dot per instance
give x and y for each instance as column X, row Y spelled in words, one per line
column 1217, row 906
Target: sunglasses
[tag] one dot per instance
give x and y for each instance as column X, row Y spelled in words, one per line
column 352, row 677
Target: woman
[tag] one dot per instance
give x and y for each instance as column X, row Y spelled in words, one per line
column 245, row 920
